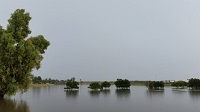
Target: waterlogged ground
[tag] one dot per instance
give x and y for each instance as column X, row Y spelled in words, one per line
column 137, row 99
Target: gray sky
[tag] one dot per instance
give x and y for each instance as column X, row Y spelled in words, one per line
column 110, row 39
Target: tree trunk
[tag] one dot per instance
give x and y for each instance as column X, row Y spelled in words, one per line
column 1, row 96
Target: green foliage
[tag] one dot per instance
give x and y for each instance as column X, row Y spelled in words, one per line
column 155, row 84
column 178, row 84
column 105, row 84
column 95, row 85
column 122, row 84
column 19, row 55
column 72, row 84
column 194, row 83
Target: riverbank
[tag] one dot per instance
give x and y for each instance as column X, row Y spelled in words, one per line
column 41, row 85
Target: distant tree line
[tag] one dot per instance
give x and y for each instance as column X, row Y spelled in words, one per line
column 193, row 83
column 39, row 80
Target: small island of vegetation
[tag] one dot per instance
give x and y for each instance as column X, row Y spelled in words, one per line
column 155, row 85
column 97, row 85
column 71, row 84
column 122, row 84
column 179, row 84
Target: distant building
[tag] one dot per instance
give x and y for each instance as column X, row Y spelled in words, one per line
column 168, row 81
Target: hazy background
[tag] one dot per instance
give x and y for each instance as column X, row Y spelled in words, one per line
column 110, row 39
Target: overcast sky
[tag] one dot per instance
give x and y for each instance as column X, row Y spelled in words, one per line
column 110, row 39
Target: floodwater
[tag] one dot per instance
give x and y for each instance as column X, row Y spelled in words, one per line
column 137, row 99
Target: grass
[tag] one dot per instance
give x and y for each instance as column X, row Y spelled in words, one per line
column 41, row 85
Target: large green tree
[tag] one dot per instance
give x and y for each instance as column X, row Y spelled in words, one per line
column 194, row 83
column 19, row 54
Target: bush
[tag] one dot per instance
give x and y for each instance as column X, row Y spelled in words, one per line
column 72, row 84
column 122, row 84
column 95, row 85
column 105, row 84
column 155, row 84
column 179, row 84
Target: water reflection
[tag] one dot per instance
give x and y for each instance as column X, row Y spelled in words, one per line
column 180, row 92
column 123, row 93
column 94, row 93
column 195, row 95
column 105, row 92
column 9, row 105
column 71, row 93
column 36, row 91
column 155, row 93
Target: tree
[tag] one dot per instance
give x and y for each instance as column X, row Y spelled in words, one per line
column 122, row 84
column 95, row 86
column 194, row 83
column 72, row 84
column 105, row 84
column 179, row 84
column 155, row 84
column 37, row 80
column 19, row 54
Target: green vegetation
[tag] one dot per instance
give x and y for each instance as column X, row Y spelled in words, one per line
column 72, row 84
column 194, row 83
column 179, row 84
column 105, row 84
column 95, row 86
column 37, row 80
column 122, row 84
column 19, row 55
column 155, row 84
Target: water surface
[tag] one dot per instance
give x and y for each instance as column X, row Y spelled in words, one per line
column 137, row 99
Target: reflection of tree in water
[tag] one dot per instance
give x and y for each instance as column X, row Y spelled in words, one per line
column 71, row 93
column 152, row 93
column 194, row 94
column 36, row 90
column 105, row 92
column 9, row 105
column 94, row 93
column 123, row 93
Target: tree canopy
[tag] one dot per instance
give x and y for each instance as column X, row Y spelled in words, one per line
column 194, row 83
column 122, row 84
column 155, row 84
column 105, row 84
column 95, row 86
column 19, row 54
column 179, row 84
column 72, row 84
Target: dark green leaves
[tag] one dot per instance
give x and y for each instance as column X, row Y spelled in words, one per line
column 123, row 84
column 19, row 54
